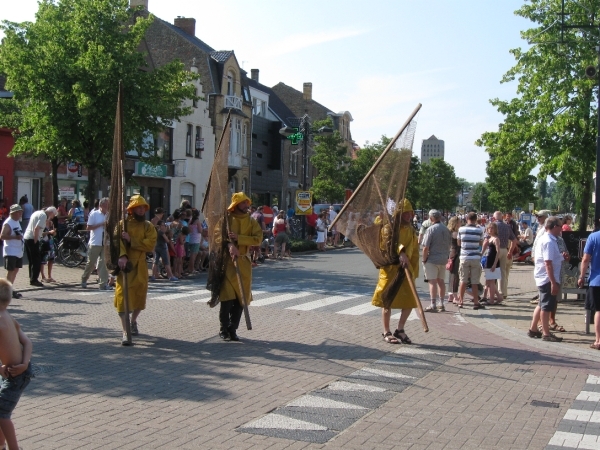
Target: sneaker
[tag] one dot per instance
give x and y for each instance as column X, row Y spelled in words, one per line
column 134, row 329
column 552, row 338
column 105, row 287
column 16, row 294
column 173, row 279
column 84, row 284
column 36, row 283
column 534, row 334
column 125, row 341
column 431, row 308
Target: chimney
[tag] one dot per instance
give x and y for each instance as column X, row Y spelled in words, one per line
column 187, row 24
column 254, row 74
column 135, row 3
column 307, row 94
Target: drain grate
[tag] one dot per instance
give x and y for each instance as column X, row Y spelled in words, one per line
column 545, row 404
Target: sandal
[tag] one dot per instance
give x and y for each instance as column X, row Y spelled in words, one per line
column 405, row 339
column 478, row 306
column 389, row 338
column 557, row 327
column 595, row 346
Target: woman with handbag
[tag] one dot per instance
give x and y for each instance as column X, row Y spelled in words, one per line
column 47, row 251
column 491, row 266
column 453, row 262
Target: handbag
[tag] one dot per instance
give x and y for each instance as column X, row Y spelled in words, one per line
column 483, row 261
column 450, row 264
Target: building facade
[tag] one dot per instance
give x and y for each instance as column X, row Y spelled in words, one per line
column 432, row 148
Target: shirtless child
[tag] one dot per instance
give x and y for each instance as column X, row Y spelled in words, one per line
column 15, row 354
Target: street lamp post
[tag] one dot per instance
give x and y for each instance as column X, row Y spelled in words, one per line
column 303, row 132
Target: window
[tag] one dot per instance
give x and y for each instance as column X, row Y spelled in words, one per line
column 230, row 83
column 245, row 140
column 244, row 185
column 188, row 141
column 293, row 163
column 199, row 145
column 195, row 102
column 246, row 93
column 238, row 136
column 163, row 143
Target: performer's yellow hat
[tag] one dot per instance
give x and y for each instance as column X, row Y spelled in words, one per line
column 137, row 200
column 406, row 206
column 236, row 199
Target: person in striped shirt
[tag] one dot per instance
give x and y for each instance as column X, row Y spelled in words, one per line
column 470, row 238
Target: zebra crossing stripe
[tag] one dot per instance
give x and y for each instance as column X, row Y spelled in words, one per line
column 395, row 361
column 323, row 302
column 575, row 440
column 312, row 401
column 579, row 427
column 359, row 310
column 345, row 386
column 278, row 421
column 413, row 316
column 280, row 298
column 94, row 293
column 180, row 295
column 370, row 371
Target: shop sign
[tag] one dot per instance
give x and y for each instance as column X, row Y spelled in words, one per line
column 146, row 170
column 303, row 203
column 67, row 192
column 74, row 168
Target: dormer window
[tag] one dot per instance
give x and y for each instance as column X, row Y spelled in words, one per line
column 230, row 83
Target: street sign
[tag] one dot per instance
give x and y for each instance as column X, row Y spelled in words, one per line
column 303, row 203
column 296, row 137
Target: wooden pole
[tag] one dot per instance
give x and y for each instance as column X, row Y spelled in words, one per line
column 239, row 280
column 411, row 283
column 124, row 271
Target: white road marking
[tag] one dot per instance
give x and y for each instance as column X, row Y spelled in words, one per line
column 589, row 396
column 312, row 401
column 391, row 360
column 345, row 386
column 575, row 440
column 278, row 421
column 94, row 293
column 359, row 310
column 323, row 302
column 371, row 372
column 280, row 298
column 593, row 379
column 180, row 295
column 413, row 316
column 582, row 415
column 418, row 351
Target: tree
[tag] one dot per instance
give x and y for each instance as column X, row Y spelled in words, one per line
column 413, row 188
column 507, row 191
column 438, row 185
column 365, row 158
column 481, row 198
column 330, row 158
column 64, row 70
column 551, row 123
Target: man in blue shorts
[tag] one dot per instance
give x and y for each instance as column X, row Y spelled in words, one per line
column 591, row 259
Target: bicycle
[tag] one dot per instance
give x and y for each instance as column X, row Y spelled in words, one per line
column 295, row 226
column 72, row 250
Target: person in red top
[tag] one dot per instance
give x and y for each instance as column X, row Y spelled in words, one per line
column 311, row 225
column 280, row 231
column 3, row 211
column 567, row 222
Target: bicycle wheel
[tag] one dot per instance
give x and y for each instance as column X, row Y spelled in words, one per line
column 70, row 258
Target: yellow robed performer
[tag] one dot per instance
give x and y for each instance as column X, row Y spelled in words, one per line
column 243, row 233
column 139, row 239
column 408, row 249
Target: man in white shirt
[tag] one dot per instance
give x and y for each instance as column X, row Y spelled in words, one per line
column 32, row 236
column 95, row 225
column 548, row 263
column 526, row 236
column 12, row 237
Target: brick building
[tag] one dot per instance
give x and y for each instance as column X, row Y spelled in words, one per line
column 224, row 86
column 301, row 103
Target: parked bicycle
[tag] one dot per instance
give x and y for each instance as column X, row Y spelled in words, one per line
column 295, row 225
column 73, row 249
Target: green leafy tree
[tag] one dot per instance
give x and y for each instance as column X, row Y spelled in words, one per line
column 365, row 158
column 438, row 185
column 481, row 198
column 64, row 70
column 551, row 124
column 507, row 191
column 330, row 158
column 413, row 188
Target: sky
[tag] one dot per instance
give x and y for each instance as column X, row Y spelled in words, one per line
column 376, row 59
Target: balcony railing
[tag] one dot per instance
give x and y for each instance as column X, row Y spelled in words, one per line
column 231, row 101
